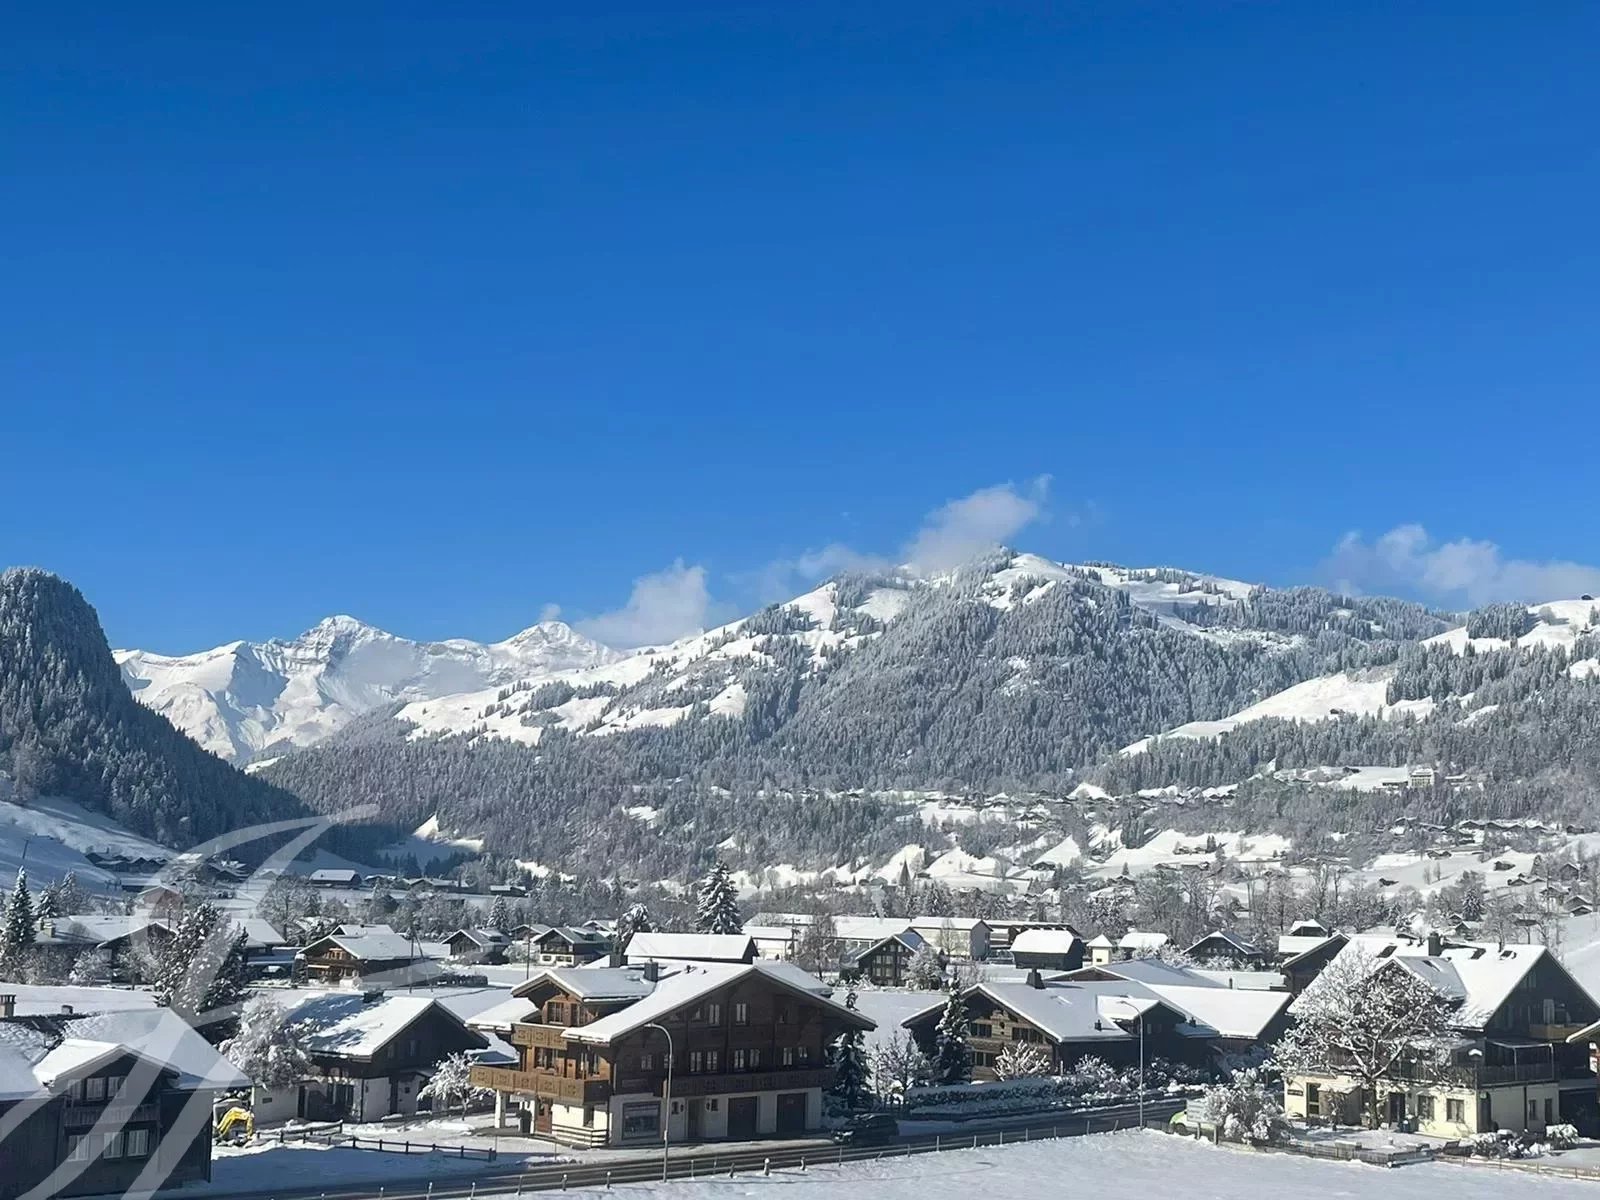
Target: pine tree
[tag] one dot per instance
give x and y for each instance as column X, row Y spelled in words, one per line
column 49, row 906
column 201, row 967
column 851, row 1072
column 952, row 1055
column 500, row 914
column 636, row 919
column 717, row 910
column 17, row 930
column 925, row 971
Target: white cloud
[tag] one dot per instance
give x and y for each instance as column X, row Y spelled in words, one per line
column 785, row 578
column 550, row 612
column 663, row 607
column 1407, row 559
column 965, row 528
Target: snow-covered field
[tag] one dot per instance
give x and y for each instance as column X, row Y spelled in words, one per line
column 1128, row 1166
column 54, row 834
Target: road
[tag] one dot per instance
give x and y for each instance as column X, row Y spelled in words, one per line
column 722, row 1160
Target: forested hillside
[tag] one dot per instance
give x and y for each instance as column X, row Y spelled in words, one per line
column 69, row 727
column 1014, row 674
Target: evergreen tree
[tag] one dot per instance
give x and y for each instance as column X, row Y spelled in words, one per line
column 852, row 1074
column 200, row 969
column 717, row 910
column 952, row 1054
column 500, row 914
column 16, row 932
column 49, row 905
column 925, row 971
column 635, row 919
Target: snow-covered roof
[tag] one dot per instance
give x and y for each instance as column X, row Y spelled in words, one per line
column 333, row 875
column 34, row 999
column 591, row 983
column 1244, row 946
column 482, row 936
column 909, row 938
column 1149, row 971
column 99, row 928
column 1232, row 1012
column 259, row 934
column 1477, row 976
column 357, row 1025
column 1292, row 945
column 681, row 988
column 1044, row 941
column 868, row 929
column 1101, row 942
column 962, row 923
column 156, row 1034
column 771, row 933
column 373, row 947
column 1142, row 942
column 690, row 947
column 501, row 1017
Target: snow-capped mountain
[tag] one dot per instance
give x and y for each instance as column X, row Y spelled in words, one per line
column 245, row 699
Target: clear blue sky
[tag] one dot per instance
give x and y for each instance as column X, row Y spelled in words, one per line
column 437, row 314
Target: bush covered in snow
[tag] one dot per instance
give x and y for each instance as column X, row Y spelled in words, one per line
column 1246, row 1109
column 1561, row 1137
column 1506, row 1144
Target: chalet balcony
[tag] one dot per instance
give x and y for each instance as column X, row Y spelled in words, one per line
column 546, row 1084
column 536, row 1036
column 1550, row 1069
column 115, row 1114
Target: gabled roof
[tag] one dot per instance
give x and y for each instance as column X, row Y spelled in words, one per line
column 575, row 936
column 333, row 875
column 961, row 923
column 1317, row 945
column 694, row 981
column 1244, row 946
column 1142, row 941
column 1101, row 942
column 590, row 983
column 868, row 929
column 371, row 947
column 909, row 938
column 1063, row 1011
column 353, row 1025
column 157, row 1035
column 1044, row 941
column 482, row 936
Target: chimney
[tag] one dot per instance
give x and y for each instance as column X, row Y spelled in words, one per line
column 66, row 1010
column 652, row 971
column 8, row 1006
column 614, row 959
column 1435, row 944
column 1035, row 980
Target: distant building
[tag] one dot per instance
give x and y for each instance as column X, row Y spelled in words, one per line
column 334, row 877
column 364, row 957
column 958, row 937
column 888, row 963
column 479, row 945
column 566, row 947
column 1048, row 950
column 1222, row 946
column 774, row 941
column 689, row 947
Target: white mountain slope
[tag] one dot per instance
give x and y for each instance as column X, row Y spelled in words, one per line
column 1558, row 624
column 706, row 667
column 245, row 698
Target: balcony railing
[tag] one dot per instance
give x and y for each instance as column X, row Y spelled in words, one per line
column 116, row 1113
column 532, row 1034
column 729, row 1081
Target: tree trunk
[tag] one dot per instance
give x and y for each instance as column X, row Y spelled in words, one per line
column 1371, row 1088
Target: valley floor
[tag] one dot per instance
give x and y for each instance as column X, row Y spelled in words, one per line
column 1129, row 1166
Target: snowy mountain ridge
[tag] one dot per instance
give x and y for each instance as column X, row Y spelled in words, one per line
column 243, row 699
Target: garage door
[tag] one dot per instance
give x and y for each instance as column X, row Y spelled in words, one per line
column 791, row 1112
column 742, row 1117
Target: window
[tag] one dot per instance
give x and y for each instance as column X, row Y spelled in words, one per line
column 588, row 1116
column 77, row 1148
column 111, row 1145
column 741, row 1013
column 803, row 1054
column 755, row 1060
column 647, row 1062
column 1549, row 1111
column 138, row 1143
column 780, row 1015
column 741, row 1060
column 1313, row 1099
column 1424, row 1108
column 1533, row 1111
column 411, row 1047
column 1455, row 1111
column 713, row 1014
column 114, row 1085
column 713, row 1060
column 639, row 1120
column 696, row 1062
column 94, row 1089
column 982, row 1029
column 787, row 1056
column 697, row 1013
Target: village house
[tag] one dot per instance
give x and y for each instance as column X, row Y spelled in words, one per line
column 774, row 941
column 334, row 877
column 1516, row 1056
column 1192, row 1020
column 1047, row 949
column 364, row 958
column 748, row 1049
column 1300, row 937
column 1221, row 946
column 568, row 947
column 1101, row 950
column 479, row 945
column 1003, row 932
column 965, row 938
column 887, row 963
column 1300, row 969
column 854, row 934
column 91, row 1100
column 373, row 1051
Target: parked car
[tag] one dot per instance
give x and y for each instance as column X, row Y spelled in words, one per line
column 867, row 1128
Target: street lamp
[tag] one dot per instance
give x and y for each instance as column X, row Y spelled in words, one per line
column 666, row 1100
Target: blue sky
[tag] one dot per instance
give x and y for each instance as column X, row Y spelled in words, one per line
column 440, row 315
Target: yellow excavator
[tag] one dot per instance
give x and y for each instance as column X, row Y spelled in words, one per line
column 232, row 1122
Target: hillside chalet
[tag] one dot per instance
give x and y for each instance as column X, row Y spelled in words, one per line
column 748, row 1046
